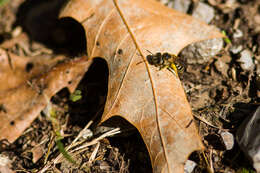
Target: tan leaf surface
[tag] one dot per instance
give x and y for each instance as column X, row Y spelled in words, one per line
column 152, row 100
column 23, row 94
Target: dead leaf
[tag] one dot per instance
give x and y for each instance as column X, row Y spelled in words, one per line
column 152, row 100
column 23, row 96
column 15, row 70
column 37, row 152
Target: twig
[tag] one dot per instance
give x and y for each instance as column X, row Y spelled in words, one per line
column 94, row 153
column 208, row 123
column 94, row 141
column 210, row 161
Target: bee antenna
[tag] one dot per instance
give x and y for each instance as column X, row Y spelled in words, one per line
column 149, row 51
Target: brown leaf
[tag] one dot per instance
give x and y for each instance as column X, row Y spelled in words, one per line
column 15, row 69
column 37, row 152
column 152, row 100
column 24, row 94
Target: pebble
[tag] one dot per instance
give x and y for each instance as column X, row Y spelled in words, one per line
column 236, row 49
column 181, row 5
column 189, row 166
column 238, row 33
column 203, row 12
column 201, row 52
column 86, row 134
column 165, row 2
column 228, row 140
column 246, row 60
column 230, row 3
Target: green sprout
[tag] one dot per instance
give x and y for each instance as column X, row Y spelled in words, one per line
column 3, row 2
column 58, row 136
column 226, row 39
column 245, row 170
column 76, row 96
column 64, row 152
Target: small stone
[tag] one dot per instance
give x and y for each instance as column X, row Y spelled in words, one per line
column 165, row 2
column 87, row 134
column 189, row 166
column 102, row 129
column 238, row 33
column 181, row 5
column 203, row 12
column 230, row 3
column 228, row 139
column 236, row 49
column 201, row 52
column 246, row 60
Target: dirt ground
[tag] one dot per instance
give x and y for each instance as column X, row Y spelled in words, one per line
column 221, row 97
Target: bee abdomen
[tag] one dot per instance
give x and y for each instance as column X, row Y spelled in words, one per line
column 180, row 68
column 155, row 59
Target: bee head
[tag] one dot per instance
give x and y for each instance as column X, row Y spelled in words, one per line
column 158, row 54
column 166, row 56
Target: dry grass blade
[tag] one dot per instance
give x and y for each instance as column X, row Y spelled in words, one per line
column 80, row 148
column 94, row 153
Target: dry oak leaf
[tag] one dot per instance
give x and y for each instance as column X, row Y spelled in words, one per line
column 23, row 95
column 28, row 82
column 153, row 101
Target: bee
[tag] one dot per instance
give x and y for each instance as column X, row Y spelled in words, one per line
column 166, row 60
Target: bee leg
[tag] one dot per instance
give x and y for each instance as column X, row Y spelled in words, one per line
column 173, row 69
column 162, row 67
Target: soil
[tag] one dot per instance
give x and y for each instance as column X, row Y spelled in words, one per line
column 221, row 97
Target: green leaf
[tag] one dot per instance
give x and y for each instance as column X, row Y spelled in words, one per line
column 76, row 96
column 226, row 39
column 2, row 2
column 64, row 152
column 245, row 170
